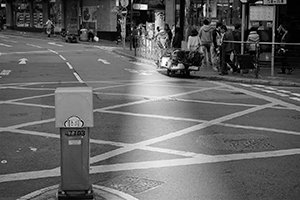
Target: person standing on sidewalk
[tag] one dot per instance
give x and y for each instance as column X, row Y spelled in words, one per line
column 205, row 34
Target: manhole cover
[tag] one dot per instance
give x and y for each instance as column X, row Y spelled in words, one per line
column 131, row 185
column 236, row 142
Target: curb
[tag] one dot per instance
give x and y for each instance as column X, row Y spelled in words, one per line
column 100, row 192
column 268, row 81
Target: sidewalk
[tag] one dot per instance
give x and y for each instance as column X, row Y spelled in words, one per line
column 265, row 77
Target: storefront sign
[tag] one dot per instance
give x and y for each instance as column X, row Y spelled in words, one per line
column 261, row 13
column 275, row 2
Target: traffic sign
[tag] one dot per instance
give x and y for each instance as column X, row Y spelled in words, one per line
column 275, row 2
column 244, row 1
column 124, row 3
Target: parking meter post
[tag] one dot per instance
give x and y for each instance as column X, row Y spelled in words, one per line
column 74, row 117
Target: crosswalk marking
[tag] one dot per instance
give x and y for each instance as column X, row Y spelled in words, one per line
column 272, row 90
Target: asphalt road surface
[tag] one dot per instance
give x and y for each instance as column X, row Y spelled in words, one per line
column 154, row 136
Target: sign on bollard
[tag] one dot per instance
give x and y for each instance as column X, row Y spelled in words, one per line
column 74, row 117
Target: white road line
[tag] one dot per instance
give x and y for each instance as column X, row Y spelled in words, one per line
column 36, row 46
column 5, row 45
column 53, row 51
column 62, row 57
column 54, row 44
column 78, row 77
column 69, row 65
column 295, row 98
column 295, row 94
column 12, row 41
column 26, row 52
column 196, row 159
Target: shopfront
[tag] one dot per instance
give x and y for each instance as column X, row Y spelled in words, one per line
column 226, row 11
column 31, row 15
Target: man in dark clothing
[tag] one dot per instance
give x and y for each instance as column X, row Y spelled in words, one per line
column 176, row 43
column 216, row 45
column 1, row 22
column 283, row 51
column 227, row 49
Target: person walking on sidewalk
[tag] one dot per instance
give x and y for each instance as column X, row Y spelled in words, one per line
column 227, row 50
column 194, row 42
column 216, row 47
column 205, row 34
column 49, row 26
column 283, row 51
column 162, row 41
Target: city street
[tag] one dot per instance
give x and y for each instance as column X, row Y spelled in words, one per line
column 154, row 136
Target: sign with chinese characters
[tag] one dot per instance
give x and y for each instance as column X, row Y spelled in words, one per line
column 261, row 13
column 275, row 2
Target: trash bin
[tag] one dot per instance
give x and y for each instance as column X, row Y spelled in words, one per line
column 83, row 35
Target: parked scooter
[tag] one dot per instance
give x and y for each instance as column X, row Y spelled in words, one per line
column 68, row 37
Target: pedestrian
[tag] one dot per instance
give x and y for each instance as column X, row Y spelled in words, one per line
column 227, row 51
column 194, row 42
column 253, row 41
column 216, row 46
column 282, row 32
column 1, row 22
column 135, row 35
column 170, row 35
column 176, row 42
column 162, row 40
column 119, row 36
column 49, row 26
column 237, row 36
column 173, row 28
column 91, row 35
column 205, row 34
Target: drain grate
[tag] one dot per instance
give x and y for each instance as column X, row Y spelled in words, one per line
column 241, row 145
column 132, row 185
column 236, row 142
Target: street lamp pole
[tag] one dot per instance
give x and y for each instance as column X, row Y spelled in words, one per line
column 131, row 4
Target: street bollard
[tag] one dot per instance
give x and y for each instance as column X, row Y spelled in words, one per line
column 74, row 117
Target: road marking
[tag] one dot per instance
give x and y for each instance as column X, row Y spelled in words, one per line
column 104, row 61
column 78, row 77
column 53, row 51
column 69, row 65
column 272, row 90
column 54, row 44
column 62, row 57
column 5, row 45
column 26, row 52
column 194, row 157
column 12, row 41
column 5, row 72
column 36, row 46
column 23, row 61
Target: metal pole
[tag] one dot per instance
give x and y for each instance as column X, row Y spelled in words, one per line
column 131, row 24
column 243, row 27
column 273, row 40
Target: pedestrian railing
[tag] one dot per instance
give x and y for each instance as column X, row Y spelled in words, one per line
column 268, row 54
column 146, row 48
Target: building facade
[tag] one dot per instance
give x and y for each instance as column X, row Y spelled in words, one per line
column 72, row 15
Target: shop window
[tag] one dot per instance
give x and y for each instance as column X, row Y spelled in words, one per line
column 56, row 14
column 37, row 14
column 21, row 13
